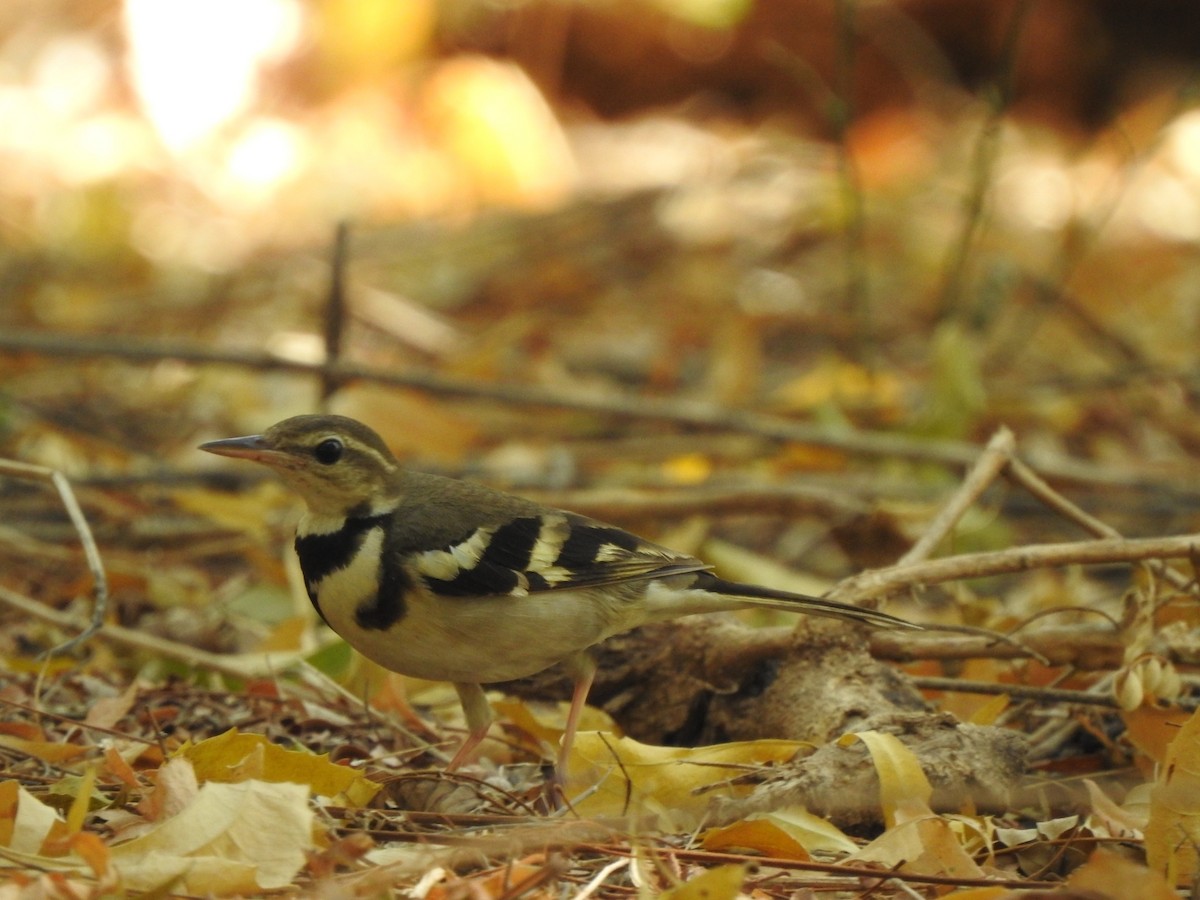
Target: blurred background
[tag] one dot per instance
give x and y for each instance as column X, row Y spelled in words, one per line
column 660, row 195
column 913, row 218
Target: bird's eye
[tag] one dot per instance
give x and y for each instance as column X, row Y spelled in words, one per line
column 328, row 451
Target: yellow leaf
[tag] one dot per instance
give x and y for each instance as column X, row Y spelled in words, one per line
column 242, row 512
column 546, row 721
column 990, row 711
column 687, row 468
column 753, row 835
column 720, row 883
column 82, row 801
column 607, row 777
column 1105, row 873
column 1173, row 832
column 786, row 834
column 925, row 845
column 92, row 850
column 1151, row 730
column 1127, row 821
column 46, row 751
column 26, row 823
column 232, row 756
column 231, row 838
column 902, row 782
column 846, row 384
column 286, row 635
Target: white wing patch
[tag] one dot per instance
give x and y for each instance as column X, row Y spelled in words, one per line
column 553, row 534
column 551, row 537
column 463, row 556
column 610, row 553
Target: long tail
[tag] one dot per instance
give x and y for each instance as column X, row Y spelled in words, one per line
column 768, row 598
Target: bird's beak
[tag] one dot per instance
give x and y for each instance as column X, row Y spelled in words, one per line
column 253, row 447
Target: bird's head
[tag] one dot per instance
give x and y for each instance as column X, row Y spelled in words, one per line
column 338, row 465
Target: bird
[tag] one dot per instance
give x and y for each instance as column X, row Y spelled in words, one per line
column 451, row 580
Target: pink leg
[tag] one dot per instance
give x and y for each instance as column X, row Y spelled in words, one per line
column 584, row 670
column 479, row 717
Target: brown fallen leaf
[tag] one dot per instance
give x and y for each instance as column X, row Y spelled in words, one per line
column 1173, row 832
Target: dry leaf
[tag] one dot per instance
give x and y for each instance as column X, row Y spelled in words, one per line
column 1120, row 821
column 47, row 751
column 988, row 712
column 786, row 834
column 117, row 766
column 546, row 721
column 1151, row 730
column 232, row 838
column 1173, row 832
column 106, row 712
column 924, row 844
column 1111, row 875
column 233, row 756
column 902, row 782
column 622, row 777
column 175, row 786
column 26, row 823
column 720, row 883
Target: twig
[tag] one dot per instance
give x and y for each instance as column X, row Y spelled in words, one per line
column 1023, row 475
column 90, row 552
column 1023, row 691
column 246, row 666
column 846, row 869
column 335, row 306
column 875, row 583
column 995, row 458
column 1085, row 647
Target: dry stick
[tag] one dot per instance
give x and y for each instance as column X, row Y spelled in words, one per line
column 689, row 414
column 876, row 583
column 1080, row 646
column 335, row 307
column 130, row 637
column 1052, row 733
column 1023, row 475
column 1022, row 691
column 90, row 552
column 992, row 461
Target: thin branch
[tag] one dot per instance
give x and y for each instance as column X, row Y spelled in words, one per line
column 996, row 456
column 91, row 552
column 335, row 306
column 876, row 583
column 243, row 666
column 1023, row 475
column 1021, row 691
column 1086, row 647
